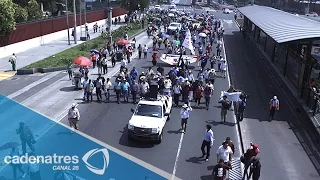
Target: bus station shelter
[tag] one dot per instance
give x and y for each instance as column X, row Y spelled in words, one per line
column 290, row 41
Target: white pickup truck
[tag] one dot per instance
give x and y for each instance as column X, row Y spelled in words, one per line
column 149, row 119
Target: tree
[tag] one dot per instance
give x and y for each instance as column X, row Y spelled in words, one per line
column 20, row 14
column 34, row 11
column 133, row 5
column 6, row 17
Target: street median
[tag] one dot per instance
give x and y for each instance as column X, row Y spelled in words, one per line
column 60, row 61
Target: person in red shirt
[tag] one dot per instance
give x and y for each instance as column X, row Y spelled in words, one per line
column 251, row 152
column 198, row 95
column 94, row 59
column 220, row 170
column 154, row 59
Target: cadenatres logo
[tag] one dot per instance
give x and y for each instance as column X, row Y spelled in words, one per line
column 65, row 162
column 105, row 154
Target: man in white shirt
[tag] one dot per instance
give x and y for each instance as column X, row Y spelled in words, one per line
column 225, row 152
column 185, row 114
column 145, row 51
column 74, row 116
column 207, row 142
column 144, row 88
column 13, row 61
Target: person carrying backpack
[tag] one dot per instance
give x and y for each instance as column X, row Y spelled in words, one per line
column 225, row 106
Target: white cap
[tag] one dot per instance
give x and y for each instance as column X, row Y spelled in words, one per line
column 185, row 106
column 275, row 97
column 73, row 105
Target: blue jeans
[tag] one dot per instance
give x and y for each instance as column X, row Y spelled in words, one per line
column 126, row 95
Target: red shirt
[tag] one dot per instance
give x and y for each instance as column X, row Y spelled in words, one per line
column 251, row 152
column 199, row 92
column 93, row 57
column 154, row 57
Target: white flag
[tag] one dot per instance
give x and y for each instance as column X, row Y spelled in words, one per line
column 187, row 43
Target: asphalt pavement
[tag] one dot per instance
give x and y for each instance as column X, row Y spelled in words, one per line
column 283, row 155
column 178, row 153
column 284, row 152
column 49, row 94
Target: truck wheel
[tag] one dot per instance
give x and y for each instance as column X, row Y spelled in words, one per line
column 159, row 140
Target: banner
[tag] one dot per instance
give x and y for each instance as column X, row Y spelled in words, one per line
column 187, row 43
column 174, row 59
column 235, row 96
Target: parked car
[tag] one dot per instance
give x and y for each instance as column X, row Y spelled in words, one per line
column 312, row 14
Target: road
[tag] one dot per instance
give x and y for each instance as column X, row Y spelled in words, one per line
column 178, row 153
column 282, row 155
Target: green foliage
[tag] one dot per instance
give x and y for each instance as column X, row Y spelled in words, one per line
column 132, row 5
column 7, row 22
column 34, row 11
column 65, row 57
column 20, row 14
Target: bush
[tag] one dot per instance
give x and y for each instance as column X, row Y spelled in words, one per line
column 66, row 57
column 20, row 14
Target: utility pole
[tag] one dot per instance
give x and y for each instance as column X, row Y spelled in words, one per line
column 75, row 21
column 85, row 19
column 109, row 21
column 67, row 11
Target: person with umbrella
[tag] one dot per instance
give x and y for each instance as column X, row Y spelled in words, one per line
column 94, row 59
column 26, row 137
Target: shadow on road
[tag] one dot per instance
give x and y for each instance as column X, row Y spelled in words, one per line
column 68, row 89
column 174, row 132
column 195, row 160
column 215, row 123
column 133, row 143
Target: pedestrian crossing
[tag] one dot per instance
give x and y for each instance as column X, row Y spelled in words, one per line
column 6, row 75
column 235, row 173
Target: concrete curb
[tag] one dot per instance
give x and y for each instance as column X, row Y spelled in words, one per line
column 46, row 70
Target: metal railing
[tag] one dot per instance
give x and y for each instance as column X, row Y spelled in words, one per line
column 312, row 99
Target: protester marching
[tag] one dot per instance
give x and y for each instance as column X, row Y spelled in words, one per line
column 180, row 48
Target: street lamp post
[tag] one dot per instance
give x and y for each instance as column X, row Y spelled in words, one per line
column 67, row 11
column 109, row 21
column 75, row 22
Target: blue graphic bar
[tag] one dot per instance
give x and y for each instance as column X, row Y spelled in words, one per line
column 34, row 147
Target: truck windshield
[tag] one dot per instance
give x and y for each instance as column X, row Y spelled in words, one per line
column 149, row 110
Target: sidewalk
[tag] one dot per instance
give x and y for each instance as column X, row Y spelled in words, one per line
column 58, row 95
column 291, row 95
column 36, row 54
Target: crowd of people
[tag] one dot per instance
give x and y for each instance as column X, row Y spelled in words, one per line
column 180, row 82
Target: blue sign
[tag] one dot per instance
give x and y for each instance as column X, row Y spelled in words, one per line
column 47, row 150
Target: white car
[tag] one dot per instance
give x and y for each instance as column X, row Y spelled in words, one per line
column 173, row 27
column 227, row 11
column 149, row 119
column 172, row 6
column 157, row 7
column 312, row 14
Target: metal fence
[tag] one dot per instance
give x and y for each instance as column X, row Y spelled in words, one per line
column 312, row 99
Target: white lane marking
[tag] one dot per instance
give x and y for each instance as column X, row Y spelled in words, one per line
column 121, row 153
column 27, row 88
column 234, row 117
column 177, row 158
